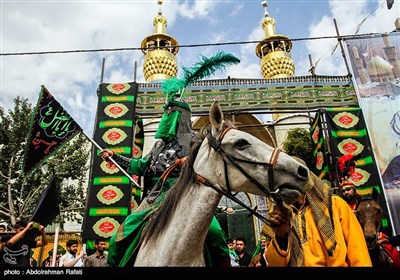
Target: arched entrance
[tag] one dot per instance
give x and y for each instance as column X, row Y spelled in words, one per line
column 240, row 223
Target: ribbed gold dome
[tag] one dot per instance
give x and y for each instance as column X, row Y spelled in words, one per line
column 160, row 51
column 159, row 65
column 274, row 51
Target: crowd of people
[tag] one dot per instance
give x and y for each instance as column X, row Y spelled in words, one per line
column 16, row 249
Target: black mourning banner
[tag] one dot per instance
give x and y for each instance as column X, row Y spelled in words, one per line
column 109, row 198
column 320, row 153
column 47, row 208
column 348, row 135
column 51, row 127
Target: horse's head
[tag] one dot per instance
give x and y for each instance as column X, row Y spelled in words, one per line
column 369, row 214
column 237, row 161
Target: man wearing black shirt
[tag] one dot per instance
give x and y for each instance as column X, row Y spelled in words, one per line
column 244, row 257
column 17, row 251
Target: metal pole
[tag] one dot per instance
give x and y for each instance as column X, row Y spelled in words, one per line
column 55, row 247
column 312, row 68
column 341, row 48
column 113, row 161
column 135, row 71
column 102, row 70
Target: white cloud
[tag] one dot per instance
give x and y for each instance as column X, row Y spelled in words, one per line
column 347, row 22
column 200, row 9
column 60, row 26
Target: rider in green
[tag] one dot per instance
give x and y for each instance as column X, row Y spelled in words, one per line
column 161, row 168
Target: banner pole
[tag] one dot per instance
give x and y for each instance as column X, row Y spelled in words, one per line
column 113, row 161
column 55, row 247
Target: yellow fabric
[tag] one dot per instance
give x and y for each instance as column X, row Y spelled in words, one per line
column 351, row 249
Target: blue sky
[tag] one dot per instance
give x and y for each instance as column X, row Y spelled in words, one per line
column 40, row 26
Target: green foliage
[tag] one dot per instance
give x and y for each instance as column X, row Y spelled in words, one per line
column 19, row 194
column 299, row 143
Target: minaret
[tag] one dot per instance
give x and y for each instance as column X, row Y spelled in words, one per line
column 160, row 51
column 391, row 54
column 274, row 51
column 359, row 66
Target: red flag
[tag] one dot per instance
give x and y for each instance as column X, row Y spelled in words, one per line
column 51, row 127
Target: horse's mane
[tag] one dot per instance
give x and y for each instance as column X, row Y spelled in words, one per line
column 158, row 222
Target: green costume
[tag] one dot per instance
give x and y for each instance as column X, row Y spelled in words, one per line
column 175, row 136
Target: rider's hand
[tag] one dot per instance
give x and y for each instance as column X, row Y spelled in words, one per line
column 279, row 220
column 383, row 241
column 105, row 154
column 229, row 210
column 41, row 228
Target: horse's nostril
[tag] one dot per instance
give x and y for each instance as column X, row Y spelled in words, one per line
column 303, row 171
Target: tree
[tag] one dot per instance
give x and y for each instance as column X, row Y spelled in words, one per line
column 298, row 143
column 19, row 194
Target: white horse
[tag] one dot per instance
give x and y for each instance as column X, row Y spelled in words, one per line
column 227, row 160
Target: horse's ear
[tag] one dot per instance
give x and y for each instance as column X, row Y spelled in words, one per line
column 216, row 116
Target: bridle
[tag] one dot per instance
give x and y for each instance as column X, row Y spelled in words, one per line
column 216, row 145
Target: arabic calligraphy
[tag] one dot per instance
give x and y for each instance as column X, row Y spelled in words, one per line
column 55, row 121
column 9, row 255
column 37, row 141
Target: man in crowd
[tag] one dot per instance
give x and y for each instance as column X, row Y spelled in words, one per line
column 98, row 258
column 71, row 258
column 258, row 259
column 350, row 195
column 244, row 256
column 318, row 229
column 17, row 251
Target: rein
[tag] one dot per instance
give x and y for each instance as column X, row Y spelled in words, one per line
column 216, row 145
column 208, row 183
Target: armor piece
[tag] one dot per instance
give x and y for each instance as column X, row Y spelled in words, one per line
column 160, row 161
column 122, row 160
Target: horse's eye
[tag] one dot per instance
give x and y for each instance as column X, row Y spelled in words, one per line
column 241, row 144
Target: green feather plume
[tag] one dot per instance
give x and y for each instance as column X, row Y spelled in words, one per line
column 205, row 67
